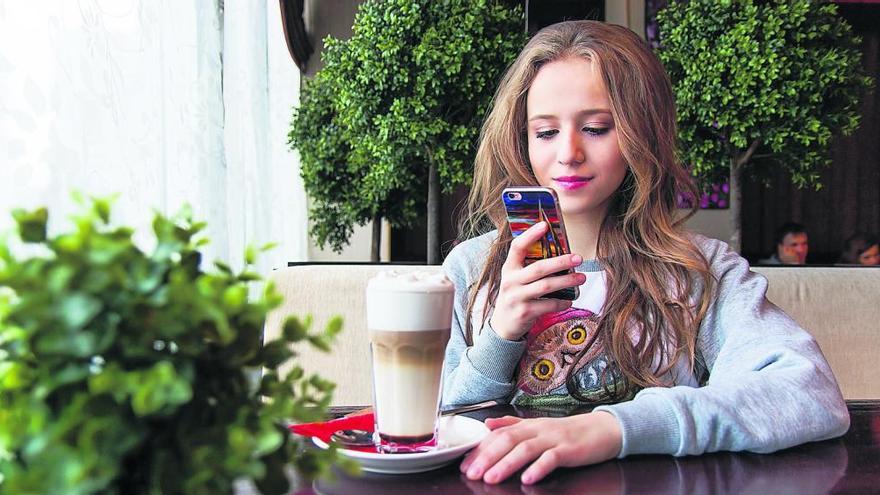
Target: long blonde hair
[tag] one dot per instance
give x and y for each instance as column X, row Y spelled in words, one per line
column 652, row 267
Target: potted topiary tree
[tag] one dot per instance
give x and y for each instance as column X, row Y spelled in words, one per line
column 398, row 109
column 760, row 85
column 123, row 371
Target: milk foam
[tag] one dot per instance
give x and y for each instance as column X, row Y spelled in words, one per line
column 409, row 301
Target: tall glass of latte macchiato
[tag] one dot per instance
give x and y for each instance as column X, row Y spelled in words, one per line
column 409, row 315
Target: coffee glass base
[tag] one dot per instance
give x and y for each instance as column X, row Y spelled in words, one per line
column 389, row 444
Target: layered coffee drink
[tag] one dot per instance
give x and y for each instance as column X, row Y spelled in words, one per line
column 408, row 317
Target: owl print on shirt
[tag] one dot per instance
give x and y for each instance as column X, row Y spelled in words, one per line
column 555, row 343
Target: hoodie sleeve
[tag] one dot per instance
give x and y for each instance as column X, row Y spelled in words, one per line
column 484, row 370
column 769, row 385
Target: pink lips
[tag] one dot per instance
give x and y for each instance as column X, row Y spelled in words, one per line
column 571, row 182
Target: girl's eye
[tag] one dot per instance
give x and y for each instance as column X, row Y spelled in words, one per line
column 595, row 131
column 546, row 134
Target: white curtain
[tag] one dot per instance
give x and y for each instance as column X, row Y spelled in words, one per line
column 164, row 103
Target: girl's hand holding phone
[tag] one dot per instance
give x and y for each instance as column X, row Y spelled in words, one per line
column 518, row 305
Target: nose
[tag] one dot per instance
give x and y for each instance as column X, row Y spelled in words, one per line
column 571, row 149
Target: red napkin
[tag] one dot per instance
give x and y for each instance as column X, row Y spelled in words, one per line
column 325, row 429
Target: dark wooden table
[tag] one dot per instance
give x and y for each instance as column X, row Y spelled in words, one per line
column 850, row 464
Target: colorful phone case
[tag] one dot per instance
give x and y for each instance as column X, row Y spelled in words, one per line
column 527, row 206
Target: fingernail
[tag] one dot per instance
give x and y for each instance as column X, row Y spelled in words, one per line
column 576, row 258
column 527, row 479
column 474, row 472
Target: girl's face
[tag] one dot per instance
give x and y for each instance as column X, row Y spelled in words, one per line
column 870, row 256
column 572, row 139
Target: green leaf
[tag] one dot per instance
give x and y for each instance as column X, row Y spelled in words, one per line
column 31, row 224
column 77, row 309
column 250, row 255
column 334, row 326
column 14, row 375
column 235, row 297
column 320, row 342
column 102, row 208
column 159, row 388
column 275, row 353
column 293, row 330
column 223, row 267
column 268, row 440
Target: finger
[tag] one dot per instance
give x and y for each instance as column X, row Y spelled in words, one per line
column 495, row 446
column 540, row 307
column 521, row 454
column 546, row 463
column 544, row 286
column 466, row 462
column 519, row 246
column 495, row 423
column 492, row 424
column 550, row 266
column 469, row 459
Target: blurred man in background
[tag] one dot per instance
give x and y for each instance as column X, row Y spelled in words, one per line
column 792, row 245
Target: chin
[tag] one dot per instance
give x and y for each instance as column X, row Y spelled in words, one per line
column 579, row 209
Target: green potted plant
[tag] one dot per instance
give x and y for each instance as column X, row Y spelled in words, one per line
column 397, row 111
column 760, row 85
column 124, row 371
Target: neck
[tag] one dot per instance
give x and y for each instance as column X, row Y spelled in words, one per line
column 583, row 233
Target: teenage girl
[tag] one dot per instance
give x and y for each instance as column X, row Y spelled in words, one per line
column 672, row 338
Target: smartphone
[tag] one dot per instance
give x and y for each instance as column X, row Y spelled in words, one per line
column 529, row 205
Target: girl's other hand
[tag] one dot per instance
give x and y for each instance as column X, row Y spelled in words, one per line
column 517, row 305
column 549, row 442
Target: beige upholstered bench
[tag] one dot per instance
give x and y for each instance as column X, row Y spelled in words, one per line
column 839, row 306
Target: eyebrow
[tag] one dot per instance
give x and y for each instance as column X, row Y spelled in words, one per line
column 582, row 113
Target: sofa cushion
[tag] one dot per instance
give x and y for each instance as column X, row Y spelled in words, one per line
column 839, row 306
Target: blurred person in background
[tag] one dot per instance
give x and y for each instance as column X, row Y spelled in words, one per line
column 861, row 249
column 792, row 245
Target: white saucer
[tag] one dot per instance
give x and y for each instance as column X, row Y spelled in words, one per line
column 457, row 435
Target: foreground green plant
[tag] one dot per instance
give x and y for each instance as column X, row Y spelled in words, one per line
column 130, row 372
